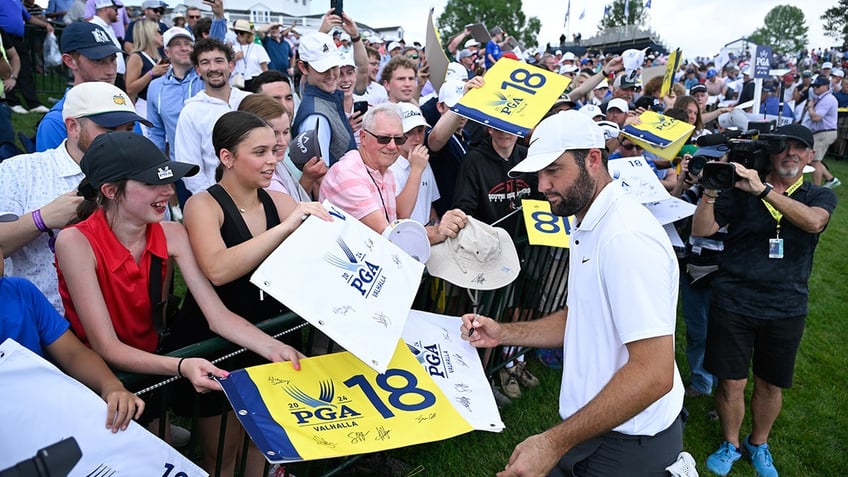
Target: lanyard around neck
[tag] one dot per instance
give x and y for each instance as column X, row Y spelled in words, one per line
column 778, row 215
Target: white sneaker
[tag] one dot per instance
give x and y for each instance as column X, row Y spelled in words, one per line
column 835, row 182
column 19, row 109
column 39, row 109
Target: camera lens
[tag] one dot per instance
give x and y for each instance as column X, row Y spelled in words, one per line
column 696, row 164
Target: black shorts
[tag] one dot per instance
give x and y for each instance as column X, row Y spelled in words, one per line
column 733, row 339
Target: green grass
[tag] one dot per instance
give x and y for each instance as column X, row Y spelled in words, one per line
column 810, row 438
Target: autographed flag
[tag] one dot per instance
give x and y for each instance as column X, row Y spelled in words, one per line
column 337, row 406
column 359, row 289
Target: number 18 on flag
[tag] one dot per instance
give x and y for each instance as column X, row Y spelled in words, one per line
column 543, row 227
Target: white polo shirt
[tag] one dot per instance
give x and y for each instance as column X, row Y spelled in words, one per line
column 623, row 282
column 29, row 182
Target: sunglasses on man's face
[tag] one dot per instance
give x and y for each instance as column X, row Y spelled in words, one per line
column 630, row 147
column 399, row 140
column 160, row 11
column 412, row 57
column 194, row 17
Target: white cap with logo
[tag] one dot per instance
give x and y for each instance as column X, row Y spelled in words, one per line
column 564, row 131
column 451, row 92
column 411, row 116
column 319, row 50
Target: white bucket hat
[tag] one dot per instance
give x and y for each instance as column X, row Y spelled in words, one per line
column 481, row 257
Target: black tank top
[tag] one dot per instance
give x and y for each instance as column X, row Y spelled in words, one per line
column 240, row 296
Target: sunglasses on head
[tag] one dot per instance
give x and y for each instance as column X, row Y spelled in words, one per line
column 399, row 140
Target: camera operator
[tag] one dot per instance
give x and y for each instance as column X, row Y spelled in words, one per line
column 760, row 292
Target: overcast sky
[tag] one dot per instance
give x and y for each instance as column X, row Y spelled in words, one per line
column 698, row 28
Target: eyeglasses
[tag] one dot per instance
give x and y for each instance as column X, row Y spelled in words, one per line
column 399, row 140
column 630, row 147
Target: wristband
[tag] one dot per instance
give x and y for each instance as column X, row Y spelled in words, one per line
column 38, row 220
column 356, row 38
column 179, row 365
column 764, row 193
column 150, row 73
column 713, row 197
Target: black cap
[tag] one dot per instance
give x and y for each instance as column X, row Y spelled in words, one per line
column 304, row 147
column 126, row 155
column 821, row 80
column 87, row 39
column 698, row 88
column 798, row 132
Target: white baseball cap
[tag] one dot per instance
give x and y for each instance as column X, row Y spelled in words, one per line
column 837, row 72
column 411, row 116
column 603, row 84
column 104, row 103
column 456, row 72
column 471, row 42
column 591, row 111
column 827, row 65
column 320, row 51
column 564, row 131
column 392, row 46
column 619, row 104
column 346, row 58
column 175, row 32
column 451, row 92
column 568, row 56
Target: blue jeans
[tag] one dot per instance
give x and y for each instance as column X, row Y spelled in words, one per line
column 696, row 307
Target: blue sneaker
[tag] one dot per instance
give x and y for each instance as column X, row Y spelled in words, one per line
column 720, row 461
column 761, row 459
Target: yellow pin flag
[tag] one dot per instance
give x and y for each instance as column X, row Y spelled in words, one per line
column 514, row 98
column 543, row 227
column 659, row 134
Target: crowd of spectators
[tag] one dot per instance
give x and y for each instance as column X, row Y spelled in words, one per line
column 175, row 140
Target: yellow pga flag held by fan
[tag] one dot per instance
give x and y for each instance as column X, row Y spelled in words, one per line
column 337, row 406
column 514, row 98
column 670, row 70
column 543, row 227
column 661, row 135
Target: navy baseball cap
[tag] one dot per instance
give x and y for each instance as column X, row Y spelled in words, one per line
column 87, row 39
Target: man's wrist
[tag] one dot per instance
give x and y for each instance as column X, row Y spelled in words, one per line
column 765, row 192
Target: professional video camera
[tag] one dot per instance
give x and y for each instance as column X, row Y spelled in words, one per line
column 752, row 149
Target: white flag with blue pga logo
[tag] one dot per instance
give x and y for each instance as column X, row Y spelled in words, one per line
column 41, row 406
column 359, row 287
column 455, row 367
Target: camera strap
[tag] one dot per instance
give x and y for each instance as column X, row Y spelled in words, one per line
column 778, row 215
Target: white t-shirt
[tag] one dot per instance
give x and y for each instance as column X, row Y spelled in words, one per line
column 623, row 279
column 254, row 56
column 428, row 191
